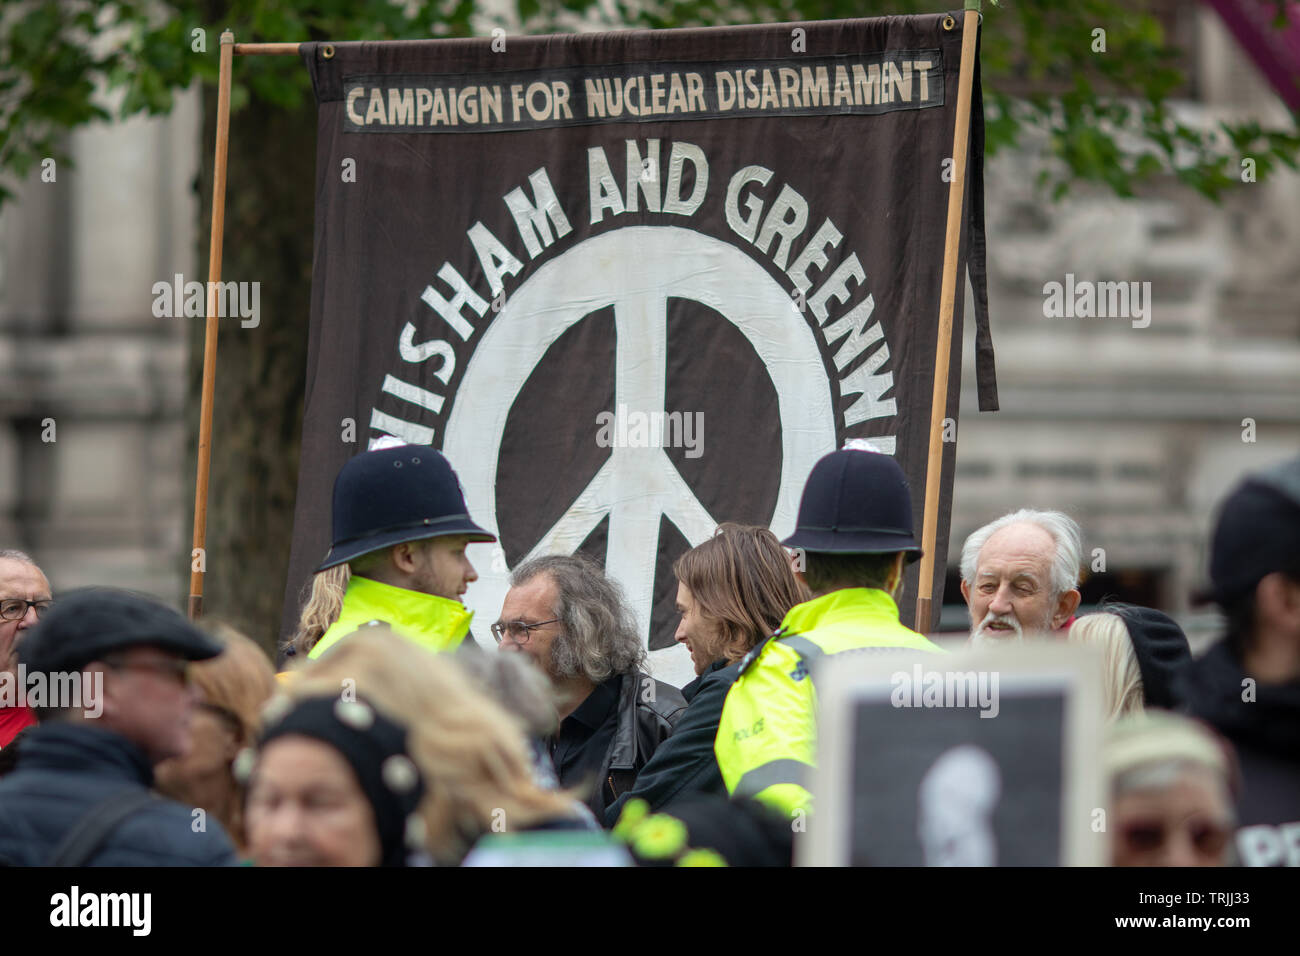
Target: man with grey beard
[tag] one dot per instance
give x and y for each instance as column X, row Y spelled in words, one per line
column 565, row 615
column 1020, row 574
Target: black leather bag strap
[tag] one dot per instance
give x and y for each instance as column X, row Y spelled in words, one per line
column 84, row 840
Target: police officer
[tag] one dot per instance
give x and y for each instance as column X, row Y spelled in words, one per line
column 854, row 536
column 401, row 525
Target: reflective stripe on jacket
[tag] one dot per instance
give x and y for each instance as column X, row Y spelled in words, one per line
column 767, row 737
column 430, row 621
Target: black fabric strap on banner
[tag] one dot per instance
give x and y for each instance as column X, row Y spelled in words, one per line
column 986, row 380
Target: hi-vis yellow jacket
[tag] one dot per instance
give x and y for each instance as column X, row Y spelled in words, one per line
column 767, row 736
column 426, row 619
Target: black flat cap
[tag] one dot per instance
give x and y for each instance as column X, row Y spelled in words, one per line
column 85, row 624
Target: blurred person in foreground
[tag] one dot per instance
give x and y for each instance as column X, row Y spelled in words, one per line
column 80, row 795
column 732, row 592
column 1020, row 573
column 1144, row 656
column 24, row 597
column 1171, row 792
column 382, row 754
column 571, row 620
column 854, row 537
column 233, row 687
column 1247, row 686
column 401, row 525
column 525, row 694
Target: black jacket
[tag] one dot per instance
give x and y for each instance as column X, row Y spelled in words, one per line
column 685, row 764
column 1265, row 732
column 648, row 709
column 64, row 771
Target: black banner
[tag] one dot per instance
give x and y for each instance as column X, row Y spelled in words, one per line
column 625, row 329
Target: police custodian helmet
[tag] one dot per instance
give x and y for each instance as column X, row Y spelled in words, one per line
column 856, row 502
column 392, row 495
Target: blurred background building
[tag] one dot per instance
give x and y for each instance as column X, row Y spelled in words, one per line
column 1136, row 432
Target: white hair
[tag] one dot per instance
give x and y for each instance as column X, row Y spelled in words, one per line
column 1064, row 531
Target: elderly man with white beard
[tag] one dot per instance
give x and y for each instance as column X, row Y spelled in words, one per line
column 1020, row 573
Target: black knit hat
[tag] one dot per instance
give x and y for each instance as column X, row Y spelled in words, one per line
column 1256, row 533
column 376, row 749
column 1162, row 653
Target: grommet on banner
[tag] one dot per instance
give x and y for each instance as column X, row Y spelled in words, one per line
column 949, row 22
column 327, row 51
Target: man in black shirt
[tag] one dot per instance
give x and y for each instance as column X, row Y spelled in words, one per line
column 572, row 621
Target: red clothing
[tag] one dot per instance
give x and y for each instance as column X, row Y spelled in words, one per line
column 12, row 720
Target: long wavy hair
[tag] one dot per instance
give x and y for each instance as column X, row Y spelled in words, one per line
column 598, row 634
column 744, row 583
column 323, row 607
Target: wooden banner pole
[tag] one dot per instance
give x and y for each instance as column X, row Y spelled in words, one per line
column 266, row 49
column 198, row 557
column 947, row 302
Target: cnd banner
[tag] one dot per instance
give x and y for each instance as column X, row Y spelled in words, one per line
column 634, row 285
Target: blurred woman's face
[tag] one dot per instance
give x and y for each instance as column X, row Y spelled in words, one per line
column 306, row 808
column 192, row 777
column 1188, row 823
column 701, row 635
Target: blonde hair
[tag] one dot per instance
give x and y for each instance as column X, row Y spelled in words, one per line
column 471, row 752
column 323, row 607
column 1122, row 677
column 1151, row 748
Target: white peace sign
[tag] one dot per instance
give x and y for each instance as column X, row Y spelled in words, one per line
column 635, row 270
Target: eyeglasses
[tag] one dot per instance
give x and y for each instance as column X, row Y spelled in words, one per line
column 518, row 630
column 170, row 667
column 15, row 609
column 1146, row 836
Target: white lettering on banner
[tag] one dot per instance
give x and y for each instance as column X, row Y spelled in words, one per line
column 496, row 260
column 412, row 393
column 772, row 218
column 568, row 95
column 534, row 219
column 683, row 153
column 422, row 352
